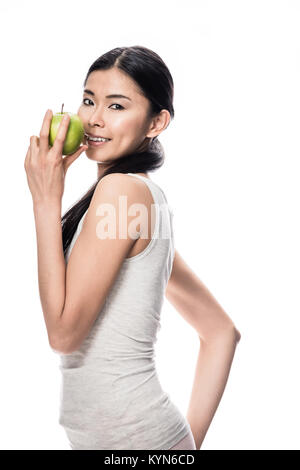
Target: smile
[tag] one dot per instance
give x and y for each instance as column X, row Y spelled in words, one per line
column 96, row 139
column 96, row 143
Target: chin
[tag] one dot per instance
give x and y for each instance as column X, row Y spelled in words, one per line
column 96, row 160
column 93, row 158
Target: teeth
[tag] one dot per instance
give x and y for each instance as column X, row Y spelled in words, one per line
column 97, row 139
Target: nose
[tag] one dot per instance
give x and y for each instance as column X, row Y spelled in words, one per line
column 93, row 122
column 96, row 119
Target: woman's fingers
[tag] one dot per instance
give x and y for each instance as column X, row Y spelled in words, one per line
column 34, row 148
column 61, row 135
column 44, row 133
column 39, row 146
column 26, row 161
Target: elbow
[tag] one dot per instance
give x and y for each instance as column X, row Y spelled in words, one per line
column 237, row 334
column 59, row 346
column 61, row 340
column 230, row 331
column 56, row 347
column 64, row 347
column 234, row 332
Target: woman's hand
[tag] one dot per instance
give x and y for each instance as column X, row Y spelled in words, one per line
column 45, row 166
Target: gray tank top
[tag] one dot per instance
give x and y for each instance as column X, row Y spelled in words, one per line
column 111, row 397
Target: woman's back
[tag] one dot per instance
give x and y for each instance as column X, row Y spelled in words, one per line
column 111, row 394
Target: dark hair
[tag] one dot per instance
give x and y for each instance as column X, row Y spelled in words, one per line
column 155, row 82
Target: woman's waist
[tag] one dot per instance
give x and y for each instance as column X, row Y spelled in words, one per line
column 111, row 376
column 109, row 396
column 141, row 408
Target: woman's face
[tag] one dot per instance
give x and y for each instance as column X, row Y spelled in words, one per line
column 124, row 121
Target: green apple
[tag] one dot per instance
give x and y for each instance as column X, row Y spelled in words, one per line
column 75, row 132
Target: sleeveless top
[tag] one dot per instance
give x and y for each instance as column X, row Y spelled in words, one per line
column 111, row 397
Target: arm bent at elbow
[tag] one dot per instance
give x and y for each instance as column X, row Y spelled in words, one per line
column 195, row 303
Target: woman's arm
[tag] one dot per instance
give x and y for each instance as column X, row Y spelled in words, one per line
column 218, row 339
column 51, row 263
column 45, row 171
column 211, row 374
column 73, row 295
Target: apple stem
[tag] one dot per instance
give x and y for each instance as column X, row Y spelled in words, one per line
column 62, row 108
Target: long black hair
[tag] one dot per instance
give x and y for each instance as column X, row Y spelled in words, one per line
column 155, row 81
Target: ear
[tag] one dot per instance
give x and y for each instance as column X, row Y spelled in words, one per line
column 159, row 123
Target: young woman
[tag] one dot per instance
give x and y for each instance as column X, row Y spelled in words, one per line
column 103, row 272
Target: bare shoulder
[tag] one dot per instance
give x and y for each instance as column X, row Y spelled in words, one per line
column 121, row 184
column 137, row 195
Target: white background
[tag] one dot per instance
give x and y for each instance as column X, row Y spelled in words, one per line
column 231, row 176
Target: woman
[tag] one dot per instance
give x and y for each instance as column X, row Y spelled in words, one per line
column 102, row 285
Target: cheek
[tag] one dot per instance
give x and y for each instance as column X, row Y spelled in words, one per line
column 128, row 127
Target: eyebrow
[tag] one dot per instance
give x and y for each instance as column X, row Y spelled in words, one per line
column 90, row 92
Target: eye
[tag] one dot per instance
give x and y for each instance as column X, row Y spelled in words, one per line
column 116, row 104
column 83, row 101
